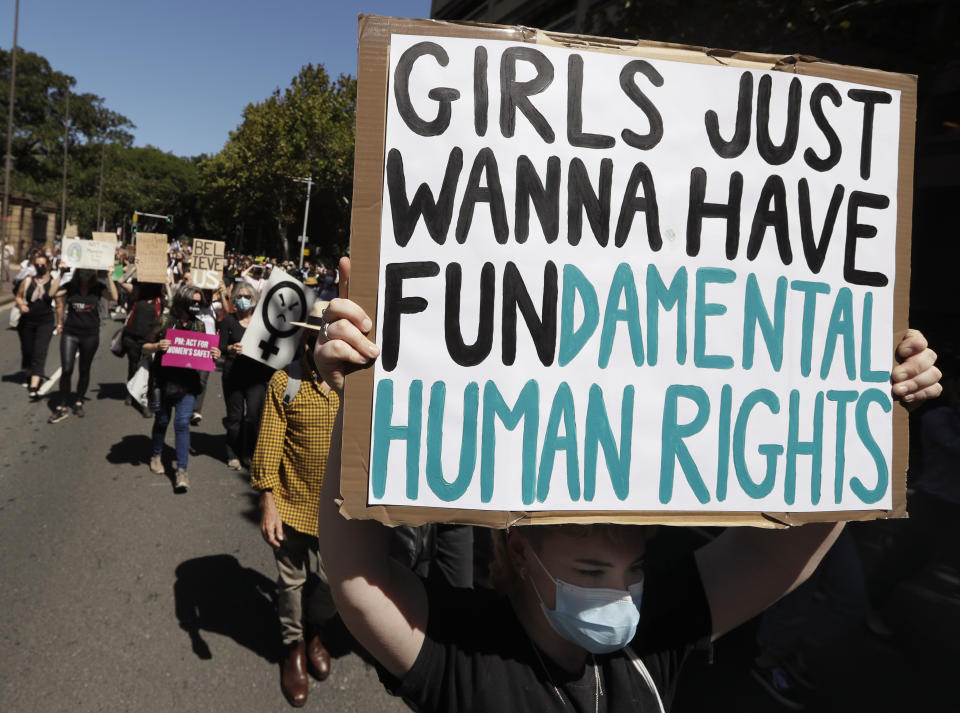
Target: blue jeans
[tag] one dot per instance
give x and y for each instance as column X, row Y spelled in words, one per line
column 183, row 410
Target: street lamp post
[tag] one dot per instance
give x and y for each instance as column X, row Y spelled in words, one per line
column 306, row 213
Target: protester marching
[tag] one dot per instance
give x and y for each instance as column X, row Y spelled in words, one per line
column 524, row 461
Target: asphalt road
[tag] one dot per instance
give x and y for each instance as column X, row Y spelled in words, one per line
column 117, row 594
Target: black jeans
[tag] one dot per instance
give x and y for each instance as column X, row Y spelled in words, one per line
column 133, row 347
column 244, row 405
column 69, row 345
column 35, row 338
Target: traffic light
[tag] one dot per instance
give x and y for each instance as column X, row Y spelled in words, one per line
column 169, row 219
column 133, row 228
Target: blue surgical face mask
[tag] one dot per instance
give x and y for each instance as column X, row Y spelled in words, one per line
column 243, row 303
column 600, row 620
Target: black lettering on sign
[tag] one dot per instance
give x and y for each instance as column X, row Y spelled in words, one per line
column 581, row 196
column 857, row 230
column 437, row 214
column 444, row 96
column 462, row 353
column 645, row 203
column 484, row 163
column 830, row 92
column 542, row 327
column 628, row 84
column 741, row 132
column 870, row 98
column 516, row 95
column 771, row 212
column 575, row 134
column 481, row 92
column 700, row 209
column 395, row 304
column 545, row 199
column 770, row 152
column 815, row 252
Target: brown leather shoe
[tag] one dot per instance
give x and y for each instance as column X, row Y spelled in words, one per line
column 318, row 658
column 293, row 674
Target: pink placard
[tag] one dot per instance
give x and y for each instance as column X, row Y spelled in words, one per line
column 189, row 350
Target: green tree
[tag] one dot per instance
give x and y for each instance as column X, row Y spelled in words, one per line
column 304, row 130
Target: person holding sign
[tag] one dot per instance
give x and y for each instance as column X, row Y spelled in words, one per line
column 582, row 621
column 178, row 386
column 80, row 300
column 288, row 471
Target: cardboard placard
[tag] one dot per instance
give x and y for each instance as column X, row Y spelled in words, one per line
column 624, row 282
column 189, row 350
column 270, row 338
column 151, row 257
column 105, row 237
column 87, row 254
column 206, row 263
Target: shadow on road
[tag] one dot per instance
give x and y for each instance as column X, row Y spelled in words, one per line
column 216, row 594
column 208, row 444
column 133, row 449
column 17, row 377
column 112, row 390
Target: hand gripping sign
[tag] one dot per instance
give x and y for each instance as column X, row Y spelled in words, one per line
column 271, row 337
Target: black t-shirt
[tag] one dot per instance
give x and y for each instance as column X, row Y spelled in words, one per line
column 477, row 658
column 237, row 368
column 177, row 381
column 82, row 318
column 144, row 318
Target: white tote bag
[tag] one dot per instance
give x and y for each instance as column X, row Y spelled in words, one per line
column 140, row 382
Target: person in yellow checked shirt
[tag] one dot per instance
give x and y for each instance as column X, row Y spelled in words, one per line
column 288, row 468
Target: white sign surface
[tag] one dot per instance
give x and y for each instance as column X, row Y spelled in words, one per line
column 88, row 254
column 270, row 338
column 615, row 283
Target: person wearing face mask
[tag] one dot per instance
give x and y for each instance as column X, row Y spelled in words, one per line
column 178, row 386
column 244, row 380
column 78, row 304
column 35, row 327
column 288, row 470
column 582, row 621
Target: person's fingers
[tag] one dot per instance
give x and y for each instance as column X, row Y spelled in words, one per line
column 330, row 356
column 913, row 342
column 931, row 392
column 915, row 365
column 340, row 308
column 346, row 331
column 921, row 381
column 344, row 267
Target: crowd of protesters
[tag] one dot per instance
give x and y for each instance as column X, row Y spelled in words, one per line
column 553, row 633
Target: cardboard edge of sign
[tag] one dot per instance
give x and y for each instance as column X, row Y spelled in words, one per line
column 373, row 70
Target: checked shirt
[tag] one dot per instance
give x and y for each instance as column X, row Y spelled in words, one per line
column 291, row 454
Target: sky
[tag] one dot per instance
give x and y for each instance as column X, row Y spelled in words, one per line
column 183, row 70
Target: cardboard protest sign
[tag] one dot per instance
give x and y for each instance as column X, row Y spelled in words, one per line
column 87, row 254
column 624, row 283
column 105, row 237
column 270, row 338
column 207, row 263
column 151, row 257
column 189, row 350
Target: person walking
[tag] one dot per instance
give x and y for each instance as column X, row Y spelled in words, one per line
column 37, row 318
column 146, row 310
column 288, row 469
column 178, row 386
column 78, row 304
column 244, row 380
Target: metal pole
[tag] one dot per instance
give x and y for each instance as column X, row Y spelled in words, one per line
column 103, row 154
column 66, row 143
column 9, row 156
column 306, row 213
